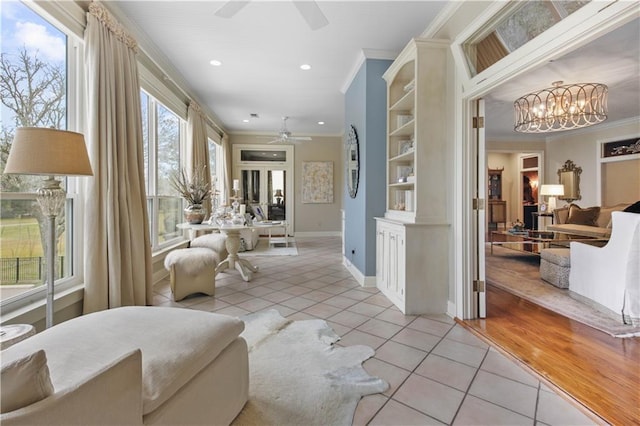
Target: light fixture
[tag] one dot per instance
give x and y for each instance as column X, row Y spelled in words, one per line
column 215, row 62
column 552, row 191
column 321, row 123
column 278, row 196
column 305, row 67
column 49, row 152
column 246, row 120
column 561, row 107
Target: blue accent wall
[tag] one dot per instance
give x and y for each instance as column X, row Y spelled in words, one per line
column 365, row 109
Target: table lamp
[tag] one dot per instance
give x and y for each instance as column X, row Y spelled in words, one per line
column 49, row 152
column 551, row 191
column 278, row 196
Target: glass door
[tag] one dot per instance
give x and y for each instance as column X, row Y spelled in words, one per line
column 277, row 193
column 264, row 191
column 266, row 181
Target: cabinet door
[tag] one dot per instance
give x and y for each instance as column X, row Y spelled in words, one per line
column 400, row 264
column 393, row 261
column 381, row 265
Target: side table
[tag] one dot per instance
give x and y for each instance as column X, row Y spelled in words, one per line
column 233, row 261
column 14, row 333
column 535, row 215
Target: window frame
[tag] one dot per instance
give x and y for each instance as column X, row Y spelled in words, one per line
column 153, row 198
column 74, row 217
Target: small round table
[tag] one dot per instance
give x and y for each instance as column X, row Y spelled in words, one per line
column 14, row 333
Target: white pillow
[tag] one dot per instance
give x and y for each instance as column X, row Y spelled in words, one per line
column 25, row 381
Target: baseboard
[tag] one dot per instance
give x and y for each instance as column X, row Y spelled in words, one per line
column 451, row 309
column 363, row 280
column 318, row 234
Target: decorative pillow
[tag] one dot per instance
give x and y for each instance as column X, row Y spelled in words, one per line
column 561, row 215
column 604, row 219
column 633, row 208
column 579, row 216
column 25, row 381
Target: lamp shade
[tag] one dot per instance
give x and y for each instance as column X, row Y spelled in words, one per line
column 49, row 152
column 553, row 190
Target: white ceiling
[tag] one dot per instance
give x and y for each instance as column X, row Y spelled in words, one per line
column 264, row 44
column 613, row 59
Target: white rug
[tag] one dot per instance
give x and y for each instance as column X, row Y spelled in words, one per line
column 263, row 248
column 298, row 378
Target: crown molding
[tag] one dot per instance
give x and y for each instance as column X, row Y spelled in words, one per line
column 363, row 55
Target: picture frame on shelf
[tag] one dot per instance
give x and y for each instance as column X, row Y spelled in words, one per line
column 404, row 172
column 405, row 146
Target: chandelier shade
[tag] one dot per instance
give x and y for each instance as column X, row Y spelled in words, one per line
column 561, row 107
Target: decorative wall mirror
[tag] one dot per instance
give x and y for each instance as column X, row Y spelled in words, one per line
column 352, row 161
column 569, row 176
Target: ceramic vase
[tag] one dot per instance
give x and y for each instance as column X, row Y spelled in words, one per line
column 194, row 214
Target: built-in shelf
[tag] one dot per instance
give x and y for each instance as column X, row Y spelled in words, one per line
column 416, row 147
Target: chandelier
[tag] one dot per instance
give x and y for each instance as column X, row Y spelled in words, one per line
column 561, row 107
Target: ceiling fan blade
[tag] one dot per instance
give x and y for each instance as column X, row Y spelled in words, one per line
column 312, row 14
column 230, row 8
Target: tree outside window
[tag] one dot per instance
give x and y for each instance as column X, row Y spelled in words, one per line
column 33, row 92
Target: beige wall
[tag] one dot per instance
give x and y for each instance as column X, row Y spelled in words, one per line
column 583, row 148
column 613, row 173
column 313, row 218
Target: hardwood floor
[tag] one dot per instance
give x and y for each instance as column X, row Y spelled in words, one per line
column 599, row 371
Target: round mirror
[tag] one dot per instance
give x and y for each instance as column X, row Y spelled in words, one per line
column 353, row 161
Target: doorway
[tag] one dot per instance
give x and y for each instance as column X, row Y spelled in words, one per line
column 265, row 174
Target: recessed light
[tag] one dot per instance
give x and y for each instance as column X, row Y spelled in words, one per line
column 305, row 67
column 215, row 62
column 246, row 120
column 321, row 123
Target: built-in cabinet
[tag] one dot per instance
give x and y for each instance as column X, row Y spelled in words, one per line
column 413, row 237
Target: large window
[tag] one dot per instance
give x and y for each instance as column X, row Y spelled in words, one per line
column 162, row 131
column 36, row 91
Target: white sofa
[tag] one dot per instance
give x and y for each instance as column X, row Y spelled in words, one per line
column 136, row 365
column 610, row 275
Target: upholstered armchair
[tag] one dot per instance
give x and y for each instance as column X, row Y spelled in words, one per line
column 610, row 275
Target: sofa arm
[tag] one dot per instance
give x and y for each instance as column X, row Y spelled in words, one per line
column 112, row 396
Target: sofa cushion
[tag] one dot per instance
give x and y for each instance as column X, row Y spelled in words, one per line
column 24, row 381
column 176, row 345
column 586, row 230
column 604, row 218
column 580, row 216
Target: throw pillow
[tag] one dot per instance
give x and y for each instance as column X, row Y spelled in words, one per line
column 25, row 381
column 633, row 208
column 580, row 216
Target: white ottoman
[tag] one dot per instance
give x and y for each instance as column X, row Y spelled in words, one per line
column 555, row 265
column 214, row 242
column 191, row 270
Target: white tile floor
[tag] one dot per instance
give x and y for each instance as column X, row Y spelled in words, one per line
column 438, row 373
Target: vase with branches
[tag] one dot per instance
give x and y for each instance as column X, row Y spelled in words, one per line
column 195, row 189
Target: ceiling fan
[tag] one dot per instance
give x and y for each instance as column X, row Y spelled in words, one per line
column 284, row 135
column 308, row 9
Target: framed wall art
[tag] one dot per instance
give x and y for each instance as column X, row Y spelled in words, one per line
column 317, row 182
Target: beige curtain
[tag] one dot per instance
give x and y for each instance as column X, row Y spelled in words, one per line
column 226, row 153
column 117, row 267
column 198, row 146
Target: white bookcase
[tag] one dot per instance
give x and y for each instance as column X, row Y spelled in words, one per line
column 413, row 239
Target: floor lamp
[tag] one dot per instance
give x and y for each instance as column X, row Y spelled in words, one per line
column 49, row 152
